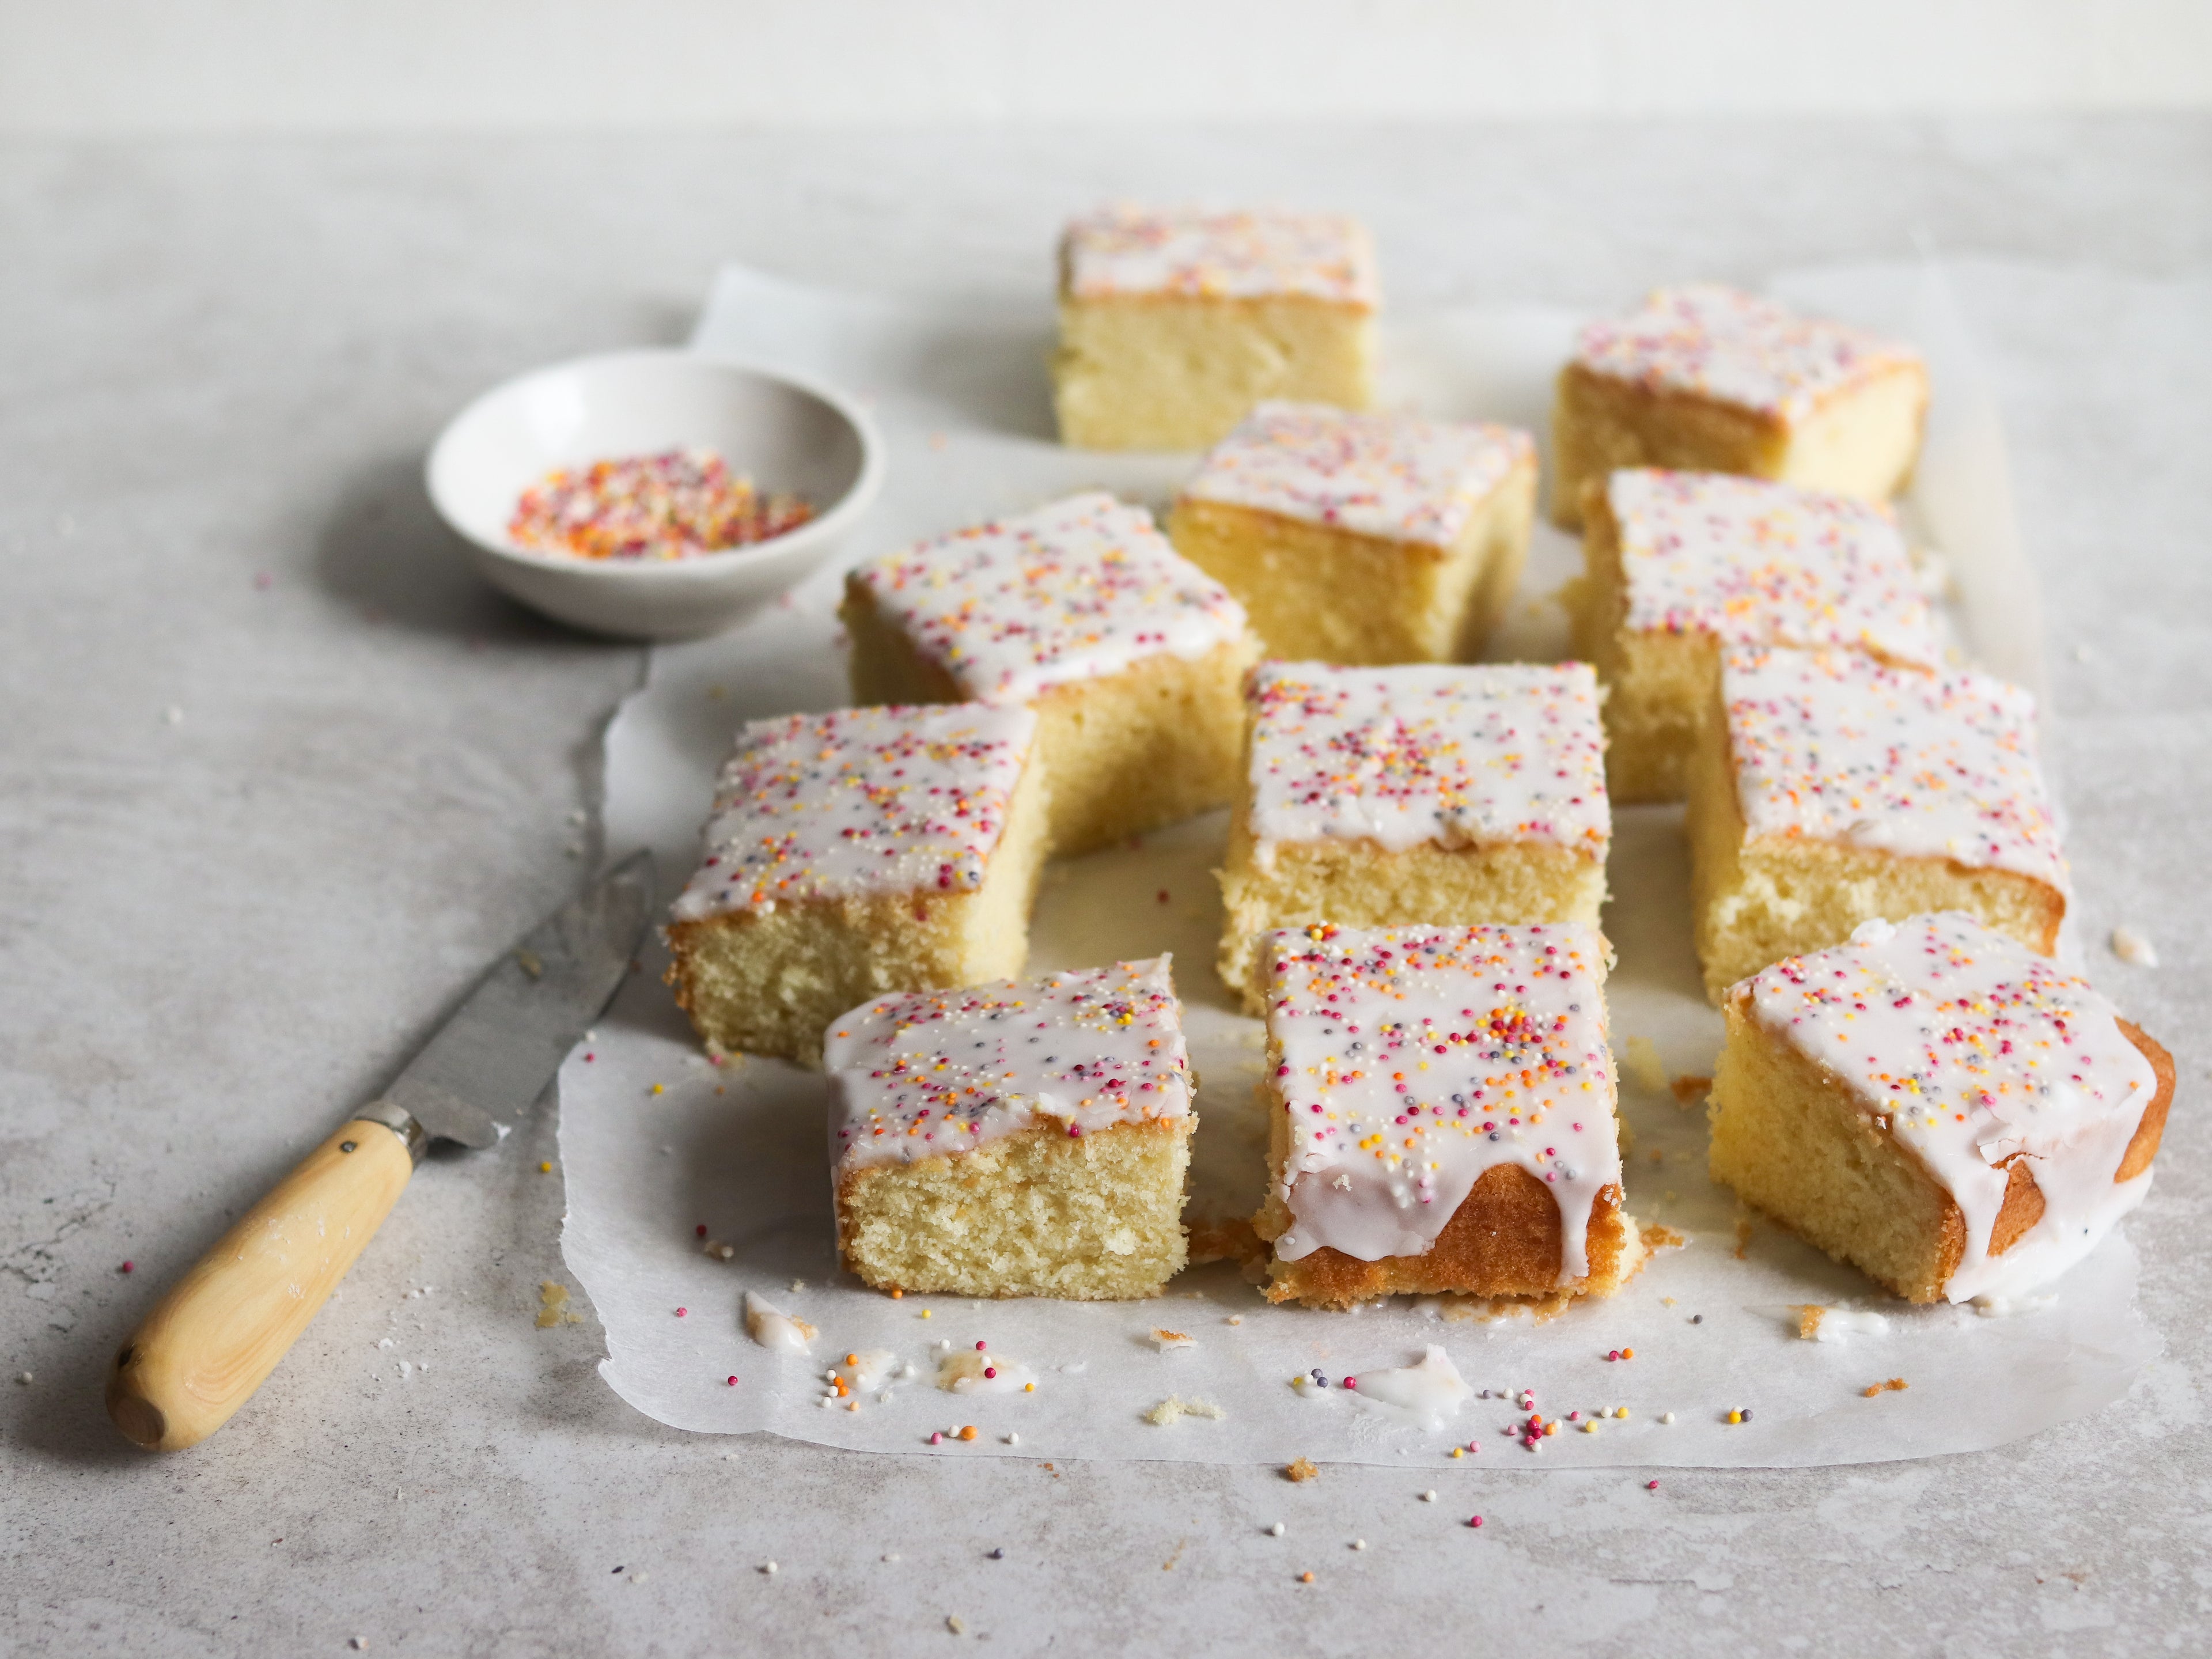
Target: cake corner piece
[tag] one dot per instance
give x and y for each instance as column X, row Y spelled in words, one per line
column 1990, row 1176
column 1409, row 1152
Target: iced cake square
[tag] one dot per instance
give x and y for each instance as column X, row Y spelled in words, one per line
column 1678, row 565
column 856, row 853
column 1017, row 1138
column 1933, row 1102
column 1174, row 324
column 1828, row 790
column 1362, row 538
column 1709, row 379
column 1133, row 657
column 1443, row 1104
column 1379, row 796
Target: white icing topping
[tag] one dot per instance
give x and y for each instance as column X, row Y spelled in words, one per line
column 1831, row 745
column 866, row 1371
column 774, row 1329
column 859, row 801
column 1430, row 1392
column 1192, row 254
column 971, row 1370
column 1428, row 753
column 1410, row 1060
column 1085, row 587
column 1753, row 562
column 1396, row 476
column 1972, row 1049
column 1723, row 343
column 922, row 1073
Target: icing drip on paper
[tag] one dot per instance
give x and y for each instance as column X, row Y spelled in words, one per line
column 1396, row 476
column 1972, row 1049
column 922, row 1073
column 1832, row 746
column 1753, row 562
column 1191, row 254
column 1735, row 347
column 1410, row 1060
column 1085, row 587
column 964, row 1370
column 862, row 801
column 1406, row 755
column 774, row 1329
column 1430, row 1392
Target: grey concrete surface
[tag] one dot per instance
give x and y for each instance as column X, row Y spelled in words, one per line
column 276, row 775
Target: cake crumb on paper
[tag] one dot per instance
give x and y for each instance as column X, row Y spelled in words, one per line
column 2129, row 945
column 1300, row 1469
column 1173, row 1409
column 1645, row 1066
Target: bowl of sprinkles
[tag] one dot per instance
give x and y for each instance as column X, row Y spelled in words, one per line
column 654, row 494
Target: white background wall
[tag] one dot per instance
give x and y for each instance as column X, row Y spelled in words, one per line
column 126, row 66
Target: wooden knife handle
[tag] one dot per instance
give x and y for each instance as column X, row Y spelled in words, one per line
column 208, row 1344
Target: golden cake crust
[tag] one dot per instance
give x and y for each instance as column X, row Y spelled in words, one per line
column 1503, row 1241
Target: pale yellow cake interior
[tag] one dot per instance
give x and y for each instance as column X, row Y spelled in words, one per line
column 770, row 982
column 1096, row 1218
column 1791, row 1140
column 1861, row 439
column 1147, row 371
column 1358, row 883
column 1317, row 592
column 1758, row 901
column 1864, row 441
column 1657, row 684
column 1124, row 753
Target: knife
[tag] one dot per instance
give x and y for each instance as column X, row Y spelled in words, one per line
column 215, row 1337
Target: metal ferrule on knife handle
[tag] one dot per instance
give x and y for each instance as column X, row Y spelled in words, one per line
column 402, row 1122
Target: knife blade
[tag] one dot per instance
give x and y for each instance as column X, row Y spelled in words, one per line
column 497, row 1051
column 218, row 1334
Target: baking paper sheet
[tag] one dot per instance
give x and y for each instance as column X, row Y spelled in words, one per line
column 656, row 1143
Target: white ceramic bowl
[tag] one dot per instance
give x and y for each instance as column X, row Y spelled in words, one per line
column 788, row 434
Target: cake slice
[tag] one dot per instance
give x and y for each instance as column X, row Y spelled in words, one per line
column 1172, row 324
column 1937, row 1105
column 1362, row 538
column 1133, row 657
column 1022, row 1139
column 1442, row 1109
column 856, row 853
column 1679, row 564
column 1709, row 379
column 1828, row 790
column 1379, row 796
